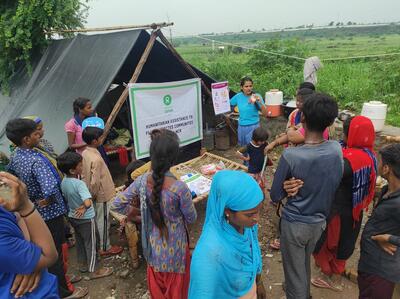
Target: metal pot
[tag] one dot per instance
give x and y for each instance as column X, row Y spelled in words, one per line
column 288, row 107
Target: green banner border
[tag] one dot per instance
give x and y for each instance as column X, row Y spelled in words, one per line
column 132, row 99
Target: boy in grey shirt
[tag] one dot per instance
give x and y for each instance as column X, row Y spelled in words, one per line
column 319, row 164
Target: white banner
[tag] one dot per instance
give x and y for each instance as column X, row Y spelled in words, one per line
column 173, row 105
column 220, row 97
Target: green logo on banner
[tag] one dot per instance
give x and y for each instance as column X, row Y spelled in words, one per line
column 167, row 100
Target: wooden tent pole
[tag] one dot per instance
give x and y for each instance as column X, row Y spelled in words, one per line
column 118, row 105
column 191, row 71
column 149, row 26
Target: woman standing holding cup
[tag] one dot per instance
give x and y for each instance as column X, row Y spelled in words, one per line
column 249, row 104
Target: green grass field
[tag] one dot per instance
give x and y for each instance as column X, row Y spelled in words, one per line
column 351, row 82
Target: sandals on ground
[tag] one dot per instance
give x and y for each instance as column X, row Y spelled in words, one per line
column 326, row 284
column 107, row 271
column 74, row 278
column 275, row 244
column 79, row 292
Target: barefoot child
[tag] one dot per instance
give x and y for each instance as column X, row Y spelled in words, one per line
column 81, row 214
column 254, row 153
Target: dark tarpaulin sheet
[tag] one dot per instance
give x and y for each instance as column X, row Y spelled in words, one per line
column 86, row 66
column 83, row 66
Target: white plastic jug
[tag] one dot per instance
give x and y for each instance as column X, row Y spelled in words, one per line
column 274, row 97
column 376, row 112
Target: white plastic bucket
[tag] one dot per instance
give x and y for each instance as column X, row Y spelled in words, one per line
column 274, row 97
column 376, row 112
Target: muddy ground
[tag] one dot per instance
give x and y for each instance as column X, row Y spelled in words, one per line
column 129, row 283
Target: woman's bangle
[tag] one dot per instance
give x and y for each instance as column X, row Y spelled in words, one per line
column 30, row 213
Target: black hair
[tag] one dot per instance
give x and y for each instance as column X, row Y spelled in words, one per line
column 245, row 79
column 346, row 125
column 260, row 134
column 305, row 92
column 155, row 133
column 320, row 111
column 132, row 166
column 68, row 161
column 79, row 104
column 391, row 156
column 164, row 151
column 18, row 128
column 308, row 85
column 90, row 134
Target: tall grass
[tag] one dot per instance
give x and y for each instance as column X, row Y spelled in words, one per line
column 351, row 82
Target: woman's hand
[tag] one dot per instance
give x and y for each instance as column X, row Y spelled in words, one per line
column 25, row 283
column 292, row 186
column 383, row 241
column 19, row 201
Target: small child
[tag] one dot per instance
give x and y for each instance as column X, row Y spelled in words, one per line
column 98, row 178
column 254, row 153
column 81, row 214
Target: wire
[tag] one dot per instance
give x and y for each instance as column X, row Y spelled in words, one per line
column 292, row 56
column 250, row 48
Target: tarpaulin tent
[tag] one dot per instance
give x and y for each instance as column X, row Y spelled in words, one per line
column 86, row 66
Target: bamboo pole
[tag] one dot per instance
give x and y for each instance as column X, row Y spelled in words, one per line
column 134, row 78
column 113, row 28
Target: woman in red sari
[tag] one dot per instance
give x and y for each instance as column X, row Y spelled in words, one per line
column 354, row 194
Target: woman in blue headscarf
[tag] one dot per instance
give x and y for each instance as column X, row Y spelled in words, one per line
column 226, row 262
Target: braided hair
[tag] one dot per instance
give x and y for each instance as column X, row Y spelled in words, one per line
column 164, row 151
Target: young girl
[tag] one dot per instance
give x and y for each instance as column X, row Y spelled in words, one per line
column 254, row 153
column 166, row 208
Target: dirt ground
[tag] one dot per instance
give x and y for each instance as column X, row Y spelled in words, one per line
column 129, row 283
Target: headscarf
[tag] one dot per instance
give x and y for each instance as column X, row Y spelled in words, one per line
column 359, row 152
column 225, row 262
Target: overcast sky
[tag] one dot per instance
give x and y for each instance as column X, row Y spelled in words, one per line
column 204, row 16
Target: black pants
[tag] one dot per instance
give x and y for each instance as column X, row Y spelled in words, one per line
column 87, row 243
column 57, row 230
